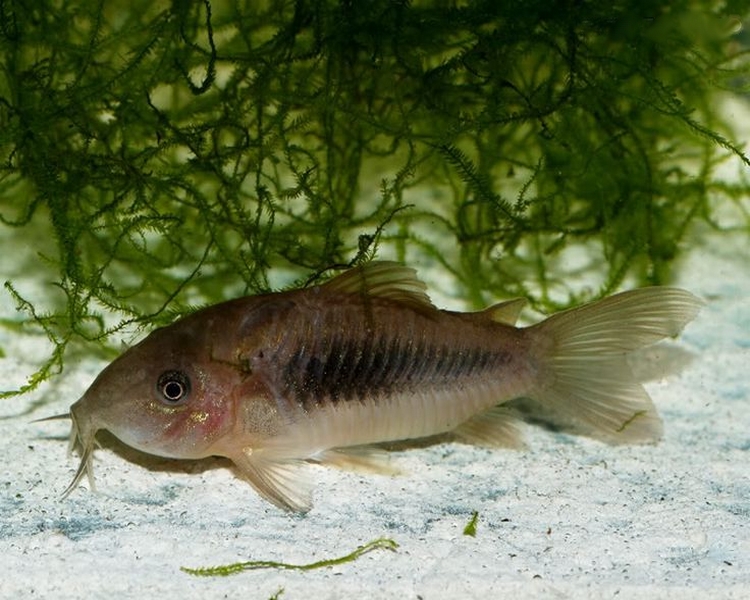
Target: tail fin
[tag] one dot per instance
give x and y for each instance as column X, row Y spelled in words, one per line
column 584, row 373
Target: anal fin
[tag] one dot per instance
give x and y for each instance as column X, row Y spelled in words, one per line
column 494, row 428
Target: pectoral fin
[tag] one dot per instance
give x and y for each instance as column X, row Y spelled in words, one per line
column 281, row 481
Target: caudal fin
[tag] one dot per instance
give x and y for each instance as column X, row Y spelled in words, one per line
column 584, row 374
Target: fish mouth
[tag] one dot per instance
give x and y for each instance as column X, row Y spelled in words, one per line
column 82, row 437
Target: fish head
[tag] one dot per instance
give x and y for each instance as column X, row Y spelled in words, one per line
column 166, row 396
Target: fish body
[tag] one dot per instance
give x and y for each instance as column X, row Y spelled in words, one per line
column 322, row 374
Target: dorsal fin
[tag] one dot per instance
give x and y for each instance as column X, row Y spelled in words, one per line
column 383, row 279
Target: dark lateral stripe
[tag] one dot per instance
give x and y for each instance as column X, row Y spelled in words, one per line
column 344, row 370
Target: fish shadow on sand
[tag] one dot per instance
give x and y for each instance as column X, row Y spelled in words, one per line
column 156, row 464
column 159, row 464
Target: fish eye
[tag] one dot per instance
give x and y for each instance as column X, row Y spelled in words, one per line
column 173, row 387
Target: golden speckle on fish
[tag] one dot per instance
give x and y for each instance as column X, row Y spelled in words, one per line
column 199, row 417
column 327, row 373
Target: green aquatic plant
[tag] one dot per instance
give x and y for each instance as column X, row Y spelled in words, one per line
column 234, row 568
column 158, row 156
column 471, row 527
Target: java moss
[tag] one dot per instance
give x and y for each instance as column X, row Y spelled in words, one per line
column 234, row 568
column 162, row 156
